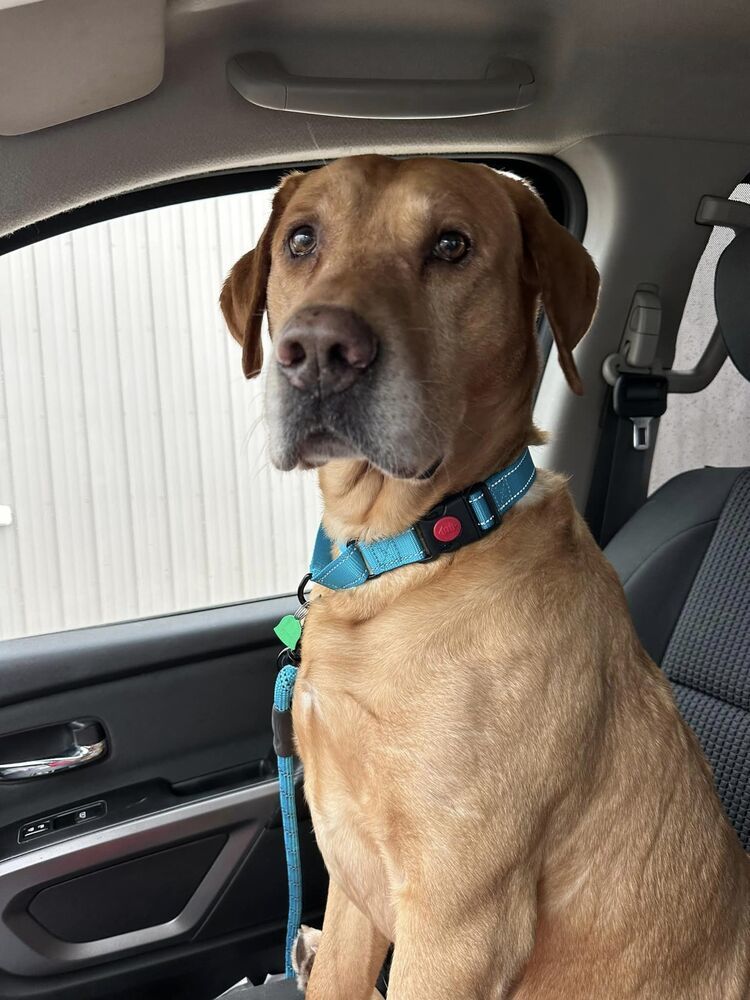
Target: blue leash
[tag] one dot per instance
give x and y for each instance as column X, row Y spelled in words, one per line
column 456, row 521
column 282, row 704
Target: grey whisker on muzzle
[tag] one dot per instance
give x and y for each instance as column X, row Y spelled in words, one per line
column 245, row 444
column 426, row 417
column 261, row 466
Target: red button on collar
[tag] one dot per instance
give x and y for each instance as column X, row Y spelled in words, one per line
column 446, row 529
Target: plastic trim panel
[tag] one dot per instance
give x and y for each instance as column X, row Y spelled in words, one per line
column 26, row 949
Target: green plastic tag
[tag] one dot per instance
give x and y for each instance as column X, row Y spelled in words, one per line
column 289, row 631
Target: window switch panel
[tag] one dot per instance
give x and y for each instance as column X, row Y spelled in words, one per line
column 62, row 821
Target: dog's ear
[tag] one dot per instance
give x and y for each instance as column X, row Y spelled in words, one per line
column 561, row 271
column 243, row 296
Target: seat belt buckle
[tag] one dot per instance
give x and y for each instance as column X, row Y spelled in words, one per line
column 640, row 399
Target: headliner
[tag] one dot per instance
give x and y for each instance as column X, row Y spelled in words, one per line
column 641, row 68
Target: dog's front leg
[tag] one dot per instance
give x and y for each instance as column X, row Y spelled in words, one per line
column 350, row 955
column 446, row 949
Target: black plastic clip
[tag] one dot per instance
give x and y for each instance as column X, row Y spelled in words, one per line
column 457, row 508
column 283, row 732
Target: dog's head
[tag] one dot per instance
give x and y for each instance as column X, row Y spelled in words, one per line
column 402, row 298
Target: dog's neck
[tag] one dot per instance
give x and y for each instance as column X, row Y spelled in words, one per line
column 362, row 503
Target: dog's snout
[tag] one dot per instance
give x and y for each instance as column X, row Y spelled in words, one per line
column 326, row 348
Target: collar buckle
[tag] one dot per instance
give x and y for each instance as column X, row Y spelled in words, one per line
column 448, row 526
column 452, row 523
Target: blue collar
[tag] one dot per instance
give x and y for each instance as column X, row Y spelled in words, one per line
column 456, row 521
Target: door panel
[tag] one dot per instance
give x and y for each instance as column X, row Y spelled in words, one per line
column 159, row 868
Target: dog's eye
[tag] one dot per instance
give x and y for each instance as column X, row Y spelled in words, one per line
column 302, row 241
column 450, row 246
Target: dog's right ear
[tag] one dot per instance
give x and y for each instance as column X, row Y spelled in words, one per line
column 243, row 296
column 560, row 269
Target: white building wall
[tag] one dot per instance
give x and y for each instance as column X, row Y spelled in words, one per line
column 132, row 451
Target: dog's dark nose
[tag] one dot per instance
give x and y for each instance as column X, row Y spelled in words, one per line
column 326, row 347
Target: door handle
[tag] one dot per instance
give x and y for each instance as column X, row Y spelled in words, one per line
column 82, row 743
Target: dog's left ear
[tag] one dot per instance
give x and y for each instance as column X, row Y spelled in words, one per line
column 562, row 272
column 243, row 296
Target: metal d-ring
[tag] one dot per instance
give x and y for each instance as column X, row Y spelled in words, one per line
column 301, row 589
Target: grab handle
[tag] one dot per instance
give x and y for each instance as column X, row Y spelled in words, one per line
column 259, row 77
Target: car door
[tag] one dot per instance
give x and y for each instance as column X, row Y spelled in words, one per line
column 143, row 540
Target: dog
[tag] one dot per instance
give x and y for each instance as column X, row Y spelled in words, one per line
column 500, row 783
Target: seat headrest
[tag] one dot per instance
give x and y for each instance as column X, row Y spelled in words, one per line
column 732, row 298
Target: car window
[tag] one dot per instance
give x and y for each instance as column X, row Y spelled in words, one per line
column 710, row 427
column 134, row 478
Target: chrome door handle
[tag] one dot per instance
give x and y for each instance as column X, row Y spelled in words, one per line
column 73, row 756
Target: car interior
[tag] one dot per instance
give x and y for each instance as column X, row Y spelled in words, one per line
column 147, row 548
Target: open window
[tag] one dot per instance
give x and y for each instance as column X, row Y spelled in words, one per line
column 134, row 479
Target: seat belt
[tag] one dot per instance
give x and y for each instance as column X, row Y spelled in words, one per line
column 619, row 484
column 640, row 386
column 637, row 397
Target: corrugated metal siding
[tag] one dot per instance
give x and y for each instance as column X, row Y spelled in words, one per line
column 710, row 427
column 131, row 447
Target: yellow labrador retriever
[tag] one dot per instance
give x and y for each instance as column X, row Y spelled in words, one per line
column 500, row 782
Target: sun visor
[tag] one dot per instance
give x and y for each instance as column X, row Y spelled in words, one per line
column 64, row 59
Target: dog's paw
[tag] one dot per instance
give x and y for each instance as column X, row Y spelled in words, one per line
column 303, row 954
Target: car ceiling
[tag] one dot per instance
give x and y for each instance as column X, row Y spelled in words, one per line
column 641, row 68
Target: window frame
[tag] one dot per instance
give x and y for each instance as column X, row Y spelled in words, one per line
column 554, row 181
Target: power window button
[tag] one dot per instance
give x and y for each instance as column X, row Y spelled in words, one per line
column 32, row 830
column 87, row 813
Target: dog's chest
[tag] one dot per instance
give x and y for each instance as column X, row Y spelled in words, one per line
column 344, row 742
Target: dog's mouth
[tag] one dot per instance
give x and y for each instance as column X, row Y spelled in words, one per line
column 321, row 446
column 379, row 421
column 430, row 472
